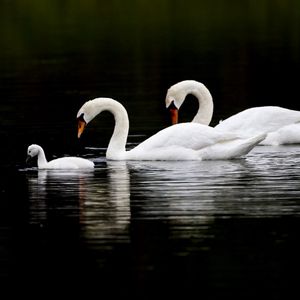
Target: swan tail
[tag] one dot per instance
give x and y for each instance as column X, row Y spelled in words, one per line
column 254, row 141
column 246, row 146
column 232, row 149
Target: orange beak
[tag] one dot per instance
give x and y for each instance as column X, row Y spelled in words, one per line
column 174, row 115
column 81, row 127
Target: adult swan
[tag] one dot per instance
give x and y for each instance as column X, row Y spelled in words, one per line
column 281, row 125
column 186, row 141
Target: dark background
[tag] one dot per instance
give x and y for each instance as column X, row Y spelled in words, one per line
column 55, row 55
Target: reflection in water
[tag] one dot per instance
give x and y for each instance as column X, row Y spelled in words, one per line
column 177, row 227
column 56, row 189
column 242, row 188
column 99, row 203
column 147, row 229
column 188, row 193
column 107, row 209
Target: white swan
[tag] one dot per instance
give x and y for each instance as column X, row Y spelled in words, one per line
column 70, row 162
column 281, row 125
column 186, row 141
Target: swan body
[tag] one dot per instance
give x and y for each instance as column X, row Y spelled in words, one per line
column 59, row 163
column 185, row 141
column 281, row 125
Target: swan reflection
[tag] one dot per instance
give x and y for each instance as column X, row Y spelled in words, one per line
column 189, row 193
column 98, row 201
column 200, row 191
column 107, row 209
column 181, row 192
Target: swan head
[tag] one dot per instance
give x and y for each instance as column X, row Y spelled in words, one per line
column 85, row 114
column 90, row 109
column 81, row 124
column 173, row 111
column 176, row 95
column 177, row 92
column 33, row 150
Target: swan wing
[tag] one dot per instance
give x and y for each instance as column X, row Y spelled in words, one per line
column 192, row 141
column 69, row 163
column 185, row 135
column 289, row 134
column 260, row 119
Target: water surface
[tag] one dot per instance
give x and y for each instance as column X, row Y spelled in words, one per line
column 145, row 229
column 168, row 228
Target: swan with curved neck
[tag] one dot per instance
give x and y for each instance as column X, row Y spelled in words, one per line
column 69, row 162
column 187, row 141
column 177, row 93
column 281, row 125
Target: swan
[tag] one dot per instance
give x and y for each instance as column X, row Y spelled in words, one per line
column 69, row 162
column 282, row 125
column 185, row 141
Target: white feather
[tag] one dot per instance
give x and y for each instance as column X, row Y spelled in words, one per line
column 186, row 141
column 69, row 162
column 281, row 125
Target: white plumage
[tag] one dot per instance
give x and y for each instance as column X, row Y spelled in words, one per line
column 70, row 162
column 186, row 141
column 281, row 125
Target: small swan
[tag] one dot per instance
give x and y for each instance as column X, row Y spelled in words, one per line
column 185, row 141
column 281, row 125
column 59, row 163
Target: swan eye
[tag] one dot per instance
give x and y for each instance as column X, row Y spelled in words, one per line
column 81, row 117
column 169, row 101
column 172, row 105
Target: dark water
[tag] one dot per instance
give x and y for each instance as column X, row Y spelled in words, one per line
column 146, row 229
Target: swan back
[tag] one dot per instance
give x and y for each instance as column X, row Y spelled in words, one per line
column 177, row 93
column 69, row 163
column 260, row 119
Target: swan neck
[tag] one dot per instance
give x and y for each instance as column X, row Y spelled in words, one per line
column 42, row 161
column 117, row 146
column 206, row 106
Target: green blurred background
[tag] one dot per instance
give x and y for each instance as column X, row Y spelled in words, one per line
column 56, row 54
